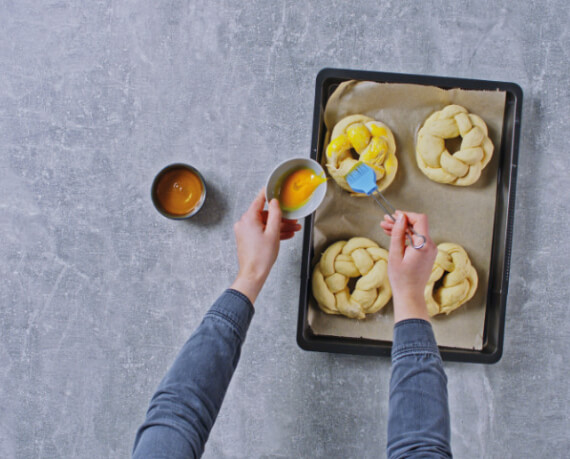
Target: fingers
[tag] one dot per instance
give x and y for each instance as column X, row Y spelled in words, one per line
column 285, row 222
column 287, row 225
column 271, row 219
column 273, row 226
column 287, row 235
column 387, row 225
column 419, row 222
column 257, row 204
column 398, row 239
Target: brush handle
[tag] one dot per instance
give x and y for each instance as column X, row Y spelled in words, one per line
column 390, row 210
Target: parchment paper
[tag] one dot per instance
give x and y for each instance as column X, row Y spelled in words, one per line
column 463, row 215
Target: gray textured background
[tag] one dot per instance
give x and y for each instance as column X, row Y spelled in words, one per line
column 98, row 291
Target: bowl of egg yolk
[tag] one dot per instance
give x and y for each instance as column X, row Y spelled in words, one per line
column 299, row 185
column 178, row 191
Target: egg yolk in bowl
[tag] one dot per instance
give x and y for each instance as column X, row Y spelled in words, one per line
column 297, row 187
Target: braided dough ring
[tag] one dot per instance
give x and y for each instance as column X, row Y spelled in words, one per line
column 373, row 143
column 456, row 279
column 358, row 257
column 463, row 167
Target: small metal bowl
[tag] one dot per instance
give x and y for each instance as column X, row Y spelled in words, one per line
column 156, row 201
column 282, row 171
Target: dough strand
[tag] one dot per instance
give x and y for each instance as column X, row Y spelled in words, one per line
column 455, row 277
column 463, row 167
column 361, row 138
column 359, row 258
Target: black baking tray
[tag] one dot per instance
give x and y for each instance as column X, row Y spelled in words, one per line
column 327, row 81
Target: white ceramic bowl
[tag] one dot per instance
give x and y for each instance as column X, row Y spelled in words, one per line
column 282, row 171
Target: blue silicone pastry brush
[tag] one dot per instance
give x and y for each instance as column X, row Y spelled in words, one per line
column 362, row 179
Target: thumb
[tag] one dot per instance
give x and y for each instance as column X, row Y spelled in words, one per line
column 273, row 226
column 398, row 242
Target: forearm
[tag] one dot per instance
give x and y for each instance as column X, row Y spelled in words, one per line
column 187, row 401
column 418, row 420
column 250, row 286
column 409, row 307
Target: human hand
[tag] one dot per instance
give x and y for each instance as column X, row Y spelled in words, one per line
column 258, row 234
column 408, row 268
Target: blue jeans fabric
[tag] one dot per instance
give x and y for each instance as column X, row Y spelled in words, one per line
column 188, row 399
column 418, row 419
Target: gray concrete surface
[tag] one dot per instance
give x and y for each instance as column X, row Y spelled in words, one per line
column 98, row 291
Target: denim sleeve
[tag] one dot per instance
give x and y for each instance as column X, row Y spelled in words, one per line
column 418, row 422
column 186, row 403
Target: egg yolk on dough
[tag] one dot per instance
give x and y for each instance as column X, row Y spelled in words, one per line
column 362, row 138
column 298, row 187
column 179, row 191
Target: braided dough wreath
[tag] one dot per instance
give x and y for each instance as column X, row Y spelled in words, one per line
column 455, row 277
column 358, row 257
column 373, row 143
column 463, row 167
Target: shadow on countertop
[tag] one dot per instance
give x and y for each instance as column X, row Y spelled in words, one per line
column 213, row 210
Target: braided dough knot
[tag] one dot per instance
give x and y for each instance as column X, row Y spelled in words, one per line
column 361, row 138
column 453, row 280
column 360, row 258
column 464, row 166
